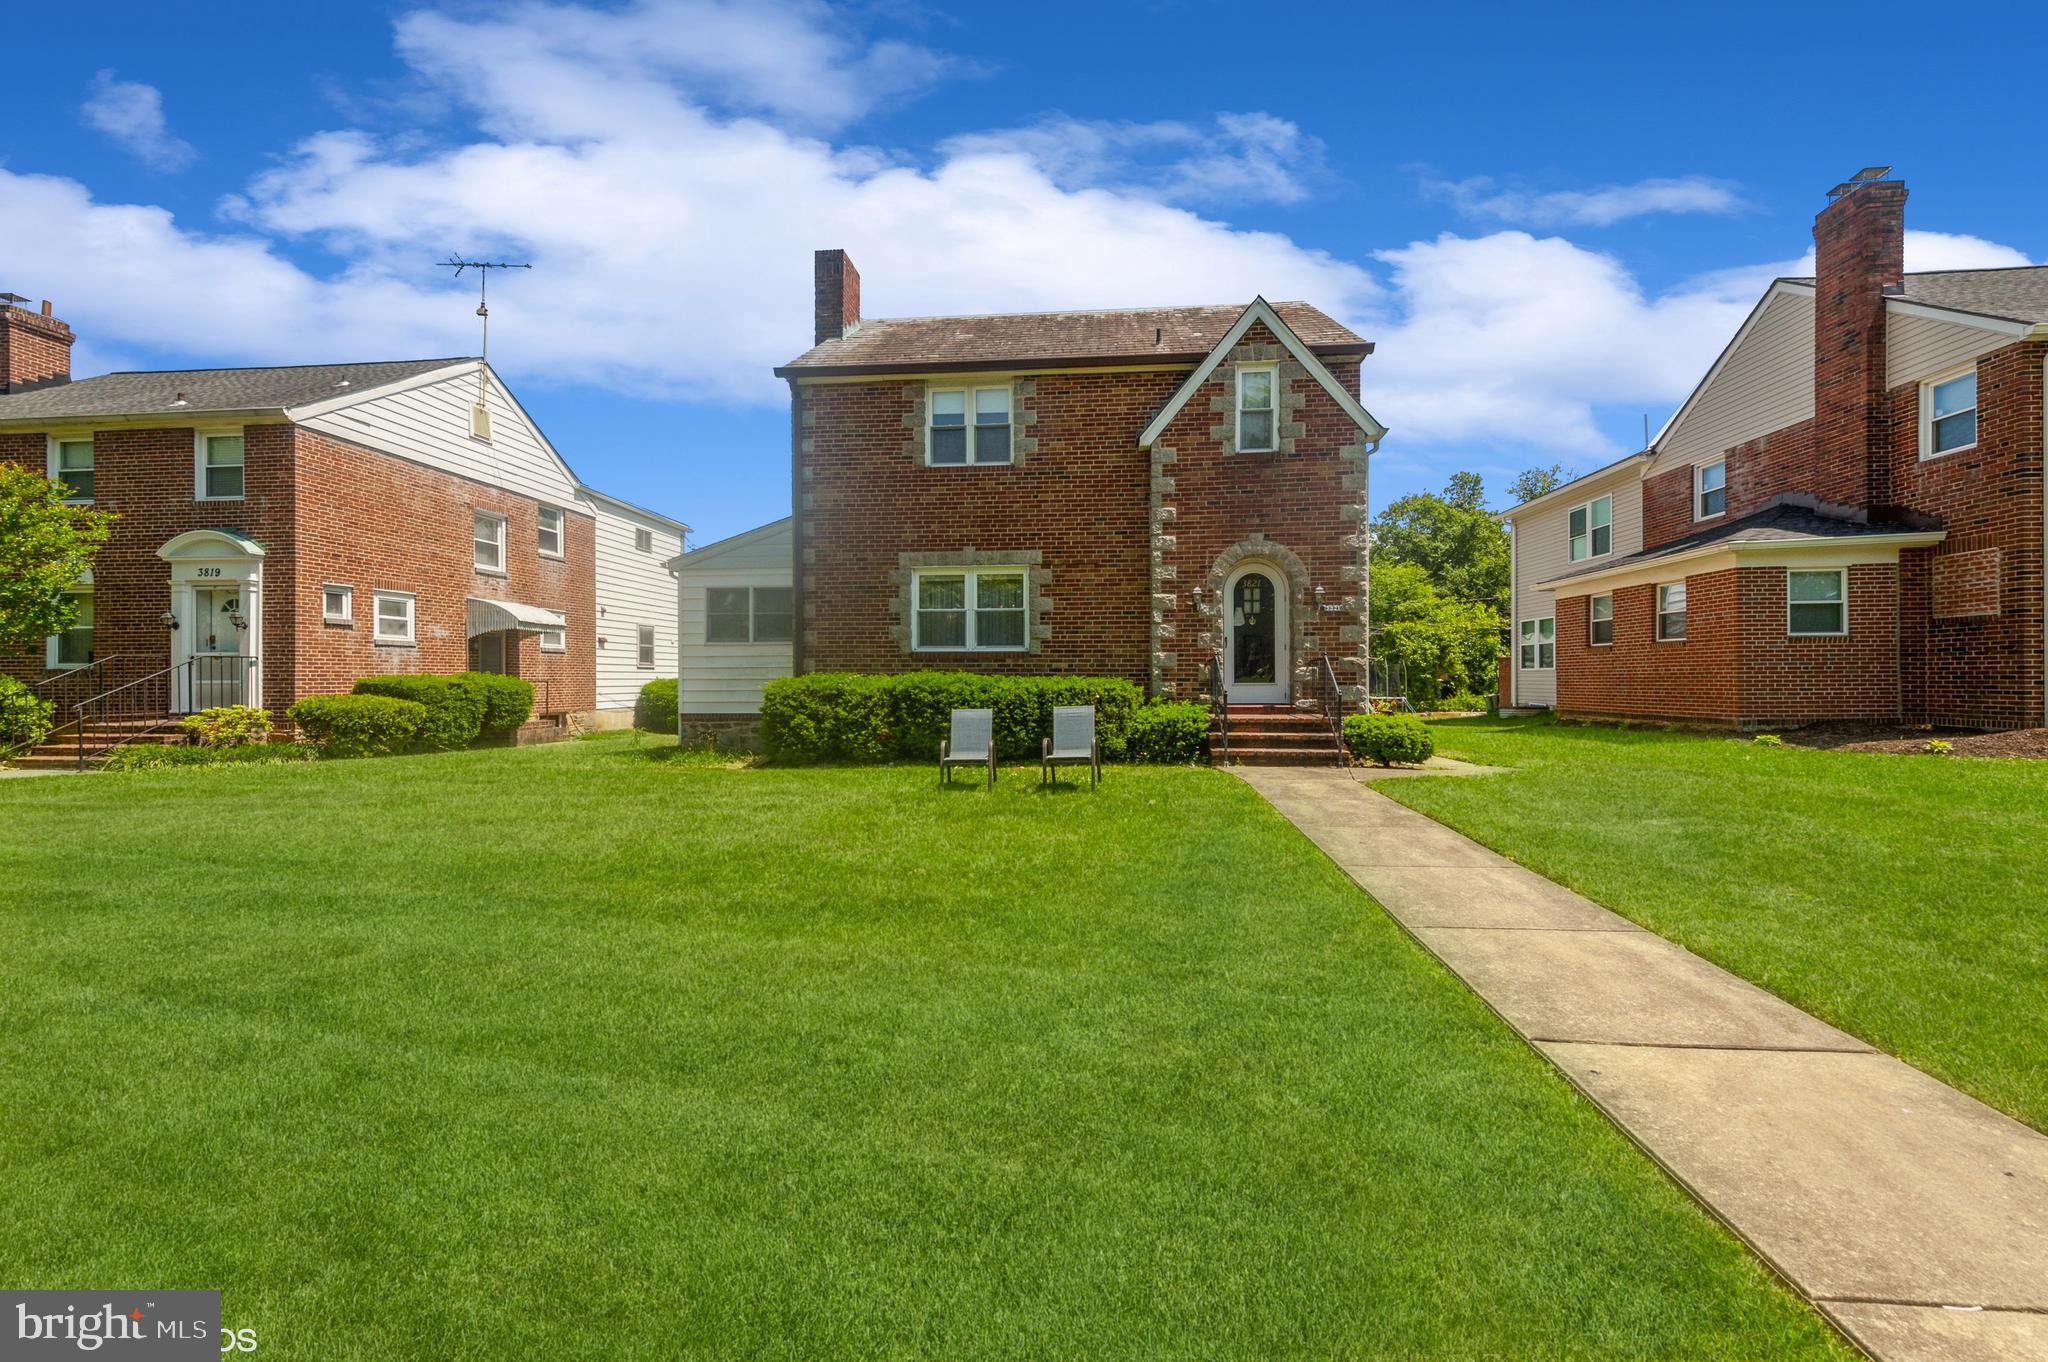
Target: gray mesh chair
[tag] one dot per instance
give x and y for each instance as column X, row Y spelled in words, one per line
column 1072, row 744
column 971, row 743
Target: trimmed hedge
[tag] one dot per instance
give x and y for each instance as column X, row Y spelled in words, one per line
column 360, row 725
column 847, row 716
column 1389, row 738
column 508, row 701
column 657, row 709
column 25, row 717
column 155, row 757
column 455, row 708
column 1170, row 733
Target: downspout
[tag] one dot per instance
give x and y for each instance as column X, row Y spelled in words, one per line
column 796, row 528
column 1514, row 673
column 2043, row 332
column 682, row 548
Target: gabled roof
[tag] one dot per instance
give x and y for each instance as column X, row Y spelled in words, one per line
column 1017, row 340
column 1262, row 311
column 2012, row 293
column 668, row 522
column 718, row 548
column 1581, row 483
column 184, row 392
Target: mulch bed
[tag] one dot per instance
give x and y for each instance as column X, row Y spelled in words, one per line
column 2023, row 742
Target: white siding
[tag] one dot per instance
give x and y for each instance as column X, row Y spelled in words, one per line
column 1543, row 551
column 430, row 425
column 1765, row 384
column 726, row 678
column 633, row 588
column 1917, row 348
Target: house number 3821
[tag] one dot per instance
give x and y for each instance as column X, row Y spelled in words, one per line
column 207, row 572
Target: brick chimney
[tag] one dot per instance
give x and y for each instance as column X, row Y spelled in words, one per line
column 835, row 296
column 1859, row 250
column 35, row 348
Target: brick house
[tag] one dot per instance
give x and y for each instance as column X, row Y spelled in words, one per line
column 1844, row 521
column 1115, row 493
column 284, row 531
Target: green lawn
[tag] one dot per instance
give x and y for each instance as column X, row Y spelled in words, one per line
column 582, row 1052
column 1905, row 899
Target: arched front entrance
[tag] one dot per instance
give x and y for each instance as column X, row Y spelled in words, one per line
column 1255, row 652
column 217, row 619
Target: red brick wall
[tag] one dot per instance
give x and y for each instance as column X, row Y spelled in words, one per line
column 1792, row 680
column 1757, row 471
column 1859, row 248
column 34, row 349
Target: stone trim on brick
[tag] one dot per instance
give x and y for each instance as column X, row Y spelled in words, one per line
column 1286, row 400
column 1023, row 415
column 1160, row 523
column 1037, row 604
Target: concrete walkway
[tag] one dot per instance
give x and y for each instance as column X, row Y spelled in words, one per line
column 1914, row 1217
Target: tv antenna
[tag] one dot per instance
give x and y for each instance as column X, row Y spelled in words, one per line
column 483, row 270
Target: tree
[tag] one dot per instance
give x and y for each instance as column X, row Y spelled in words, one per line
column 1442, row 646
column 45, row 547
column 1451, row 538
column 1532, row 483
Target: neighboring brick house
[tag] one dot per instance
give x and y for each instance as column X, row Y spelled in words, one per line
column 281, row 532
column 1844, row 521
column 1114, row 493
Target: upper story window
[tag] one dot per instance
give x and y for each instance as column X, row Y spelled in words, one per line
column 643, row 540
column 1599, row 621
column 220, row 455
column 1592, row 529
column 954, row 439
column 1255, row 416
column 71, row 464
column 1817, row 602
column 550, row 532
column 970, row 610
column 1671, row 612
column 1710, row 490
column 1539, row 644
column 489, row 534
column 749, row 614
column 1948, row 414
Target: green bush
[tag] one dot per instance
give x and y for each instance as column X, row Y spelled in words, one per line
column 826, row 716
column 25, row 717
column 455, row 708
column 657, row 708
column 153, row 757
column 228, row 726
column 1169, row 733
column 360, row 725
column 1389, row 738
column 844, row 716
column 508, row 701
column 1469, row 702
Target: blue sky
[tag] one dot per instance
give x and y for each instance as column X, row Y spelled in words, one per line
column 1549, row 222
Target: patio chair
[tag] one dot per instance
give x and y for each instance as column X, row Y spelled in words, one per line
column 1072, row 744
column 971, row 743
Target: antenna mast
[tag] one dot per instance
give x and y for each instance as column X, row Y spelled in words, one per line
column 483, row 270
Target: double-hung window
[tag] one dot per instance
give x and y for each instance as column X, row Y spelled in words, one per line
column 1539, row 644
column 970, row 610
column 550, row 532
column 71, row 464
column 220, row 466
column 1817, row 603
column 394, row 618
column 488, row 532
column 1948, row 414
column 73, row 647
column 1710, row 490
column 1256, row 425
column 1592, row 529
column 337, row 604
column 643, row 646
column 1599, row 621
column 969, row 425
column 1671, row 612
column 749, row 614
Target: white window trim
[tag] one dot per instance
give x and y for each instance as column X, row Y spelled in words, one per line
column 1926, row 404
column 57, row 440
column 561, row 549
column 970, row 608
column 967, row 390
column 1609, row 598
column 500, row 569
column 1699, row 491
column 646, row 646
column 1237, row 434
column 377, row 634
column 1658, row 612
column 1587, row 507
column 562, row 640
column 753, row 617
column 51, row 643
column 348, row 603
column 643, row 540
column 480, row 421
column 199, row 439
column 1529, row 634
column 1842, row 632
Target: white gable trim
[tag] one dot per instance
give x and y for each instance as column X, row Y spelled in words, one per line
column 1262, row 311
column 697, row 557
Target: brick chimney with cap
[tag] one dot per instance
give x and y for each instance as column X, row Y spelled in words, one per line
column 835, row 296
column 1859, row 249
column 35, row 348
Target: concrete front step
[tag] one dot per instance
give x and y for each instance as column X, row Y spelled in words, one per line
column 1317, row 738
column 1278, row 756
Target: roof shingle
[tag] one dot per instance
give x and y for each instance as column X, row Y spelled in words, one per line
column 1788, row 520
column 141, row 393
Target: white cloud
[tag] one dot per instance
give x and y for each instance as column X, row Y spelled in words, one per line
column 1244, row 156
column 1480, row 196
column 132, row 114
column 1938, row 251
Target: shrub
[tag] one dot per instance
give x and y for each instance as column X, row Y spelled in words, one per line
column 25, row 717
column 360, row 725
column 826, row 716
column 508, row 701
column 228, row 726
column 1939, row 746
column 1768, row 740
column 151, row 757
column 843, row 716
column 1169, row 732
column 656, row 711
column 455, row 708
column 1388, row 738
column 1468, row 702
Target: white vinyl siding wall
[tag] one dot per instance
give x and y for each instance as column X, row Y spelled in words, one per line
column 633, row 590
column 1917, row 348
column 1543, row 551
column 1766, row 384
column 727, row 678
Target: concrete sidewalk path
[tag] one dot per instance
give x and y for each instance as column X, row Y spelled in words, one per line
column 1914, row 1217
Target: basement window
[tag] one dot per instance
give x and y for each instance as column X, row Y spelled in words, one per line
column 1948, row 414
column 1592, row 529
column 1671, row 613
column 1817, row 603
column 1255, row 416
column 1710, row 490
column 1599, row 621
column 952, row 439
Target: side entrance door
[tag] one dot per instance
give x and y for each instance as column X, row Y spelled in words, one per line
column 1255, row 625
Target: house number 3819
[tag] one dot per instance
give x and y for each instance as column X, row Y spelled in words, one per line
column 207, row 572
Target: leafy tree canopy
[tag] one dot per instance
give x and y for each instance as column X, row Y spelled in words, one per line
column 1450, row 536
column 1442, row 646
column 45, row 547
column 1532, row 483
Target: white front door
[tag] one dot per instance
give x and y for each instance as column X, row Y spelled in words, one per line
column 1255, row 637
column 219, row 643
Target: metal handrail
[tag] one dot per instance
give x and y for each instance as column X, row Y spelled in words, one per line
column 58, row 689
column 1333, row 702
column 1219, row 705
column 153, row 696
